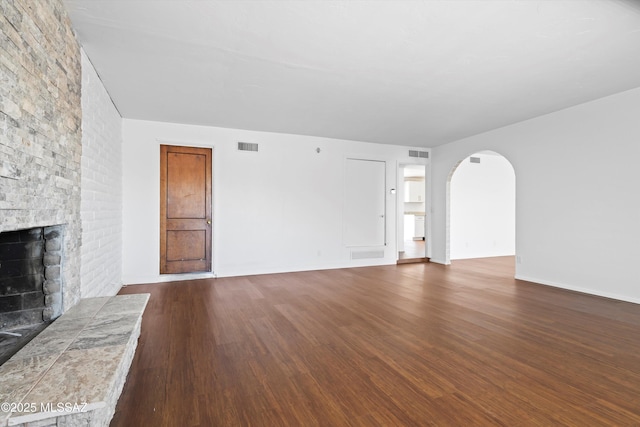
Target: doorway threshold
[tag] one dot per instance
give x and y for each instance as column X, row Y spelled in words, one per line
column 413, row 260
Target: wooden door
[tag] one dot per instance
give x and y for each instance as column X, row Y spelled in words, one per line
column 185, row 209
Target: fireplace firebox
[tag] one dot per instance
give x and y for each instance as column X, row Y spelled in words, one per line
column 30, row 284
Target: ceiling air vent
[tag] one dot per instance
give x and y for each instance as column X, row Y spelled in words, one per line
column 421, row 154
column 474, row 159
column 247, row 146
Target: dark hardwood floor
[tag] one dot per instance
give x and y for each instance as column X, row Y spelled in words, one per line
column 402, row 345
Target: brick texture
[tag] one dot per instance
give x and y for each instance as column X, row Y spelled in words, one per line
column 40, row 118
column 101, row 206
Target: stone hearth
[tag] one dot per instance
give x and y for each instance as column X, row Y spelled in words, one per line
column 73, row 372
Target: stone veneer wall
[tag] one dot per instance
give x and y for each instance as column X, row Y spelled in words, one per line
column 40, row 119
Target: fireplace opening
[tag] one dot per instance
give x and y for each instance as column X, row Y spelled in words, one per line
column 30, row 284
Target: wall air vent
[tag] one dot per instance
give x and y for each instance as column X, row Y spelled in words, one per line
column 421, row 154
column 367, row 254
column 247, row 146
column 474, row 159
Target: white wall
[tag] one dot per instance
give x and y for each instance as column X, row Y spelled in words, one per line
column 101, row 189
column 483, row 208
column 279, row 209
column 577, row 204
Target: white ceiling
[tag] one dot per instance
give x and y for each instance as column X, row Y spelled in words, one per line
column 418, row 73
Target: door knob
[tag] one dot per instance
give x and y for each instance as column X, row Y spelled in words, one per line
column 209, row 221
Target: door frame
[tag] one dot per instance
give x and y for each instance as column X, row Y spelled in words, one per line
column 400, row 205
column 210, row 206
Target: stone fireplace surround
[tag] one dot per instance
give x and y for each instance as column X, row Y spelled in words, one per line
column 41, row 152
column 41, row 129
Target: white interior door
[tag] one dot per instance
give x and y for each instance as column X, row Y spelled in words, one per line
column 365, row 220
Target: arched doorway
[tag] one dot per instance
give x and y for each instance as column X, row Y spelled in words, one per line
column 481, row 191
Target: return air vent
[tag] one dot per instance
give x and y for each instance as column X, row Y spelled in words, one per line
column 421, row 154
column 247, row 146
column 367, row 254
column 474, row 159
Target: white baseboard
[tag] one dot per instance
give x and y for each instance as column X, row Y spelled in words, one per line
column 578, row 289
column 137, row 280
column 142, row 280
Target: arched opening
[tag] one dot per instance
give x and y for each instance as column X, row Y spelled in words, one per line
column 480, row 219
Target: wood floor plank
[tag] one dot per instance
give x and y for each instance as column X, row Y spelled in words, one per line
column 402, row 345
